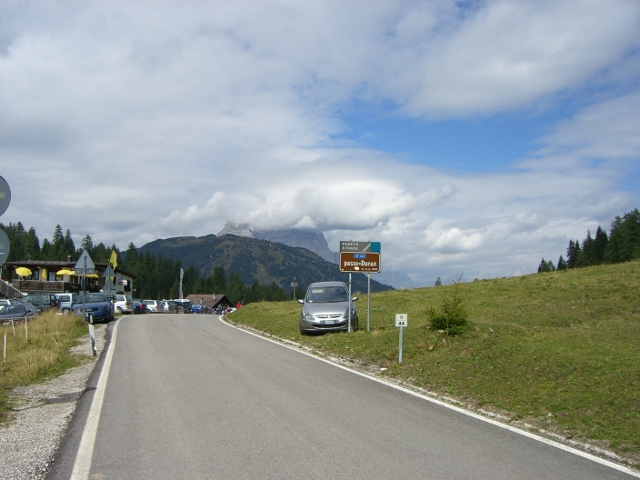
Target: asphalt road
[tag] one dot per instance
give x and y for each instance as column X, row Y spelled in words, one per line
column 189, row 397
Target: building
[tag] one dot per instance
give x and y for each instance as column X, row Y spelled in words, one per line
column 210, row 300
column 53, row 276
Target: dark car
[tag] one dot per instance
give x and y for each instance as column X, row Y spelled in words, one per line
column 139, row 306
column 16, row 310
column 97, row 305
column 42, row 302
column 325, row 308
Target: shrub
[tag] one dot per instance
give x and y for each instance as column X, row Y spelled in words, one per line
column 452, row 317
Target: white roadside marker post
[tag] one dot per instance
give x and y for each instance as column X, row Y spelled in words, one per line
column 401, row 322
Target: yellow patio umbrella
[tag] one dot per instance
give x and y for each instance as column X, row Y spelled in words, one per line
column 23, row 271
column 92, row 275
column 65, row 271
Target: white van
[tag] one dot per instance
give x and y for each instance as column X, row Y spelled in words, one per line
column 123, row 303
column 65, row 301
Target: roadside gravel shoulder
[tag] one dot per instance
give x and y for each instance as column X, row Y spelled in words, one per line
column 42, row 413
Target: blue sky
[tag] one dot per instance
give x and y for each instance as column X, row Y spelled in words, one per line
column 469, row 137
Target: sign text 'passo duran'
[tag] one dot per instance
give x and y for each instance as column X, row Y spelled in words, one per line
column 360, row 262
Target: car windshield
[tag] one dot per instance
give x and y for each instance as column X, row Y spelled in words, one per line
column 38, row 299
column 327, row 295
column 93, row 298
column 12, row 310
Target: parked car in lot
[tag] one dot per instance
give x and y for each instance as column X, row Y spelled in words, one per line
column 169, row 306
column 123, row 303
column 41, row 302
column 139, row 306
column 66, row 301
column 196, row 308
column 154, row 306
column 183, row 306
column 325, row 308
column 16, row 310
column 96, row 304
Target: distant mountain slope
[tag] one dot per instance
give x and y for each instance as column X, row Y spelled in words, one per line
column 314, row 241
column 255, row 259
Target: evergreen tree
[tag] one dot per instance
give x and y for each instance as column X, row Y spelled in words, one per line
column 87, row 244
column 573, row 254
column 219, row 280
column 562, row 265
column 588, row 256
column 31, row 245
column 546, row 266
column 236, row 290
column 601, row 242
column 438, row 282
column 69, row 247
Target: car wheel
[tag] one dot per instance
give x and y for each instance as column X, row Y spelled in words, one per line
column 120, row 310
column 66, row 311
column 354, row 324
column 302, row 331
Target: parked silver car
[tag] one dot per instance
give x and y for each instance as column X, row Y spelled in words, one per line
column 325, row 308
column 154, row 306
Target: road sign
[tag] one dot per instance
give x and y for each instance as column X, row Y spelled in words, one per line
column 360, row 247
column 401, row 319
column 5, row 195
column 84, row 265
column 360, row 262
column 109, row 287
column 109, row 273
column 4, row 247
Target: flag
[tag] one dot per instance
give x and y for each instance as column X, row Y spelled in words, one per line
column 114, row 259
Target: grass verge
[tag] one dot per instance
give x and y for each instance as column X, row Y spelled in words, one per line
column 559, row 351
column 43, row 354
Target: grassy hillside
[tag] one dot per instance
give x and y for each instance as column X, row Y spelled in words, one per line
column 255, row 259
column 559, row 351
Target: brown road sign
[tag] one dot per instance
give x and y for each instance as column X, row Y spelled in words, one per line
column 360, row 262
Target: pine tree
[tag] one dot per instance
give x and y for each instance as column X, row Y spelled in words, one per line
column 219, row 280
column 438, row 282
column 562, row 265
column 601, row 244
column 546, row 266
column 573, row 254
column 87, row 244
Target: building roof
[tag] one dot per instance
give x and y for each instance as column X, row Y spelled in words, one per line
column 208, row 299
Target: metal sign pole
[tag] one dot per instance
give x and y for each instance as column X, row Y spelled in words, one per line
column 349, row 326
column 401, row 322
column 368, row 299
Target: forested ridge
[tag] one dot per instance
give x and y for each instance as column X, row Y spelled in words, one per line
column 622, row 244
column 158, row 277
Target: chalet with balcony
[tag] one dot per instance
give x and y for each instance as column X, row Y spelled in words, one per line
column 52, row 276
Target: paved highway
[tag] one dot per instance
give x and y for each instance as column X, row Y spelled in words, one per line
column 188, row 397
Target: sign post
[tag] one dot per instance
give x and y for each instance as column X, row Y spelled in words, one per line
column 85, row 266
column 5, row 200
column 401, row 322
column 362, row 257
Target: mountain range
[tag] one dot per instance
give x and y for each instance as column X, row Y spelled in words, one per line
column 314, row 241
column 256, row 259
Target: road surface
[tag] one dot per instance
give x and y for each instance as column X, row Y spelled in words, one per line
column 190, row 397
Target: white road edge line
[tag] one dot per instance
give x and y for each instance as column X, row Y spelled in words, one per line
column 82, row 465
column 547, row 441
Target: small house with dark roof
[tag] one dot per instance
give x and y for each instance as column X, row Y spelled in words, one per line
column 210, row 300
